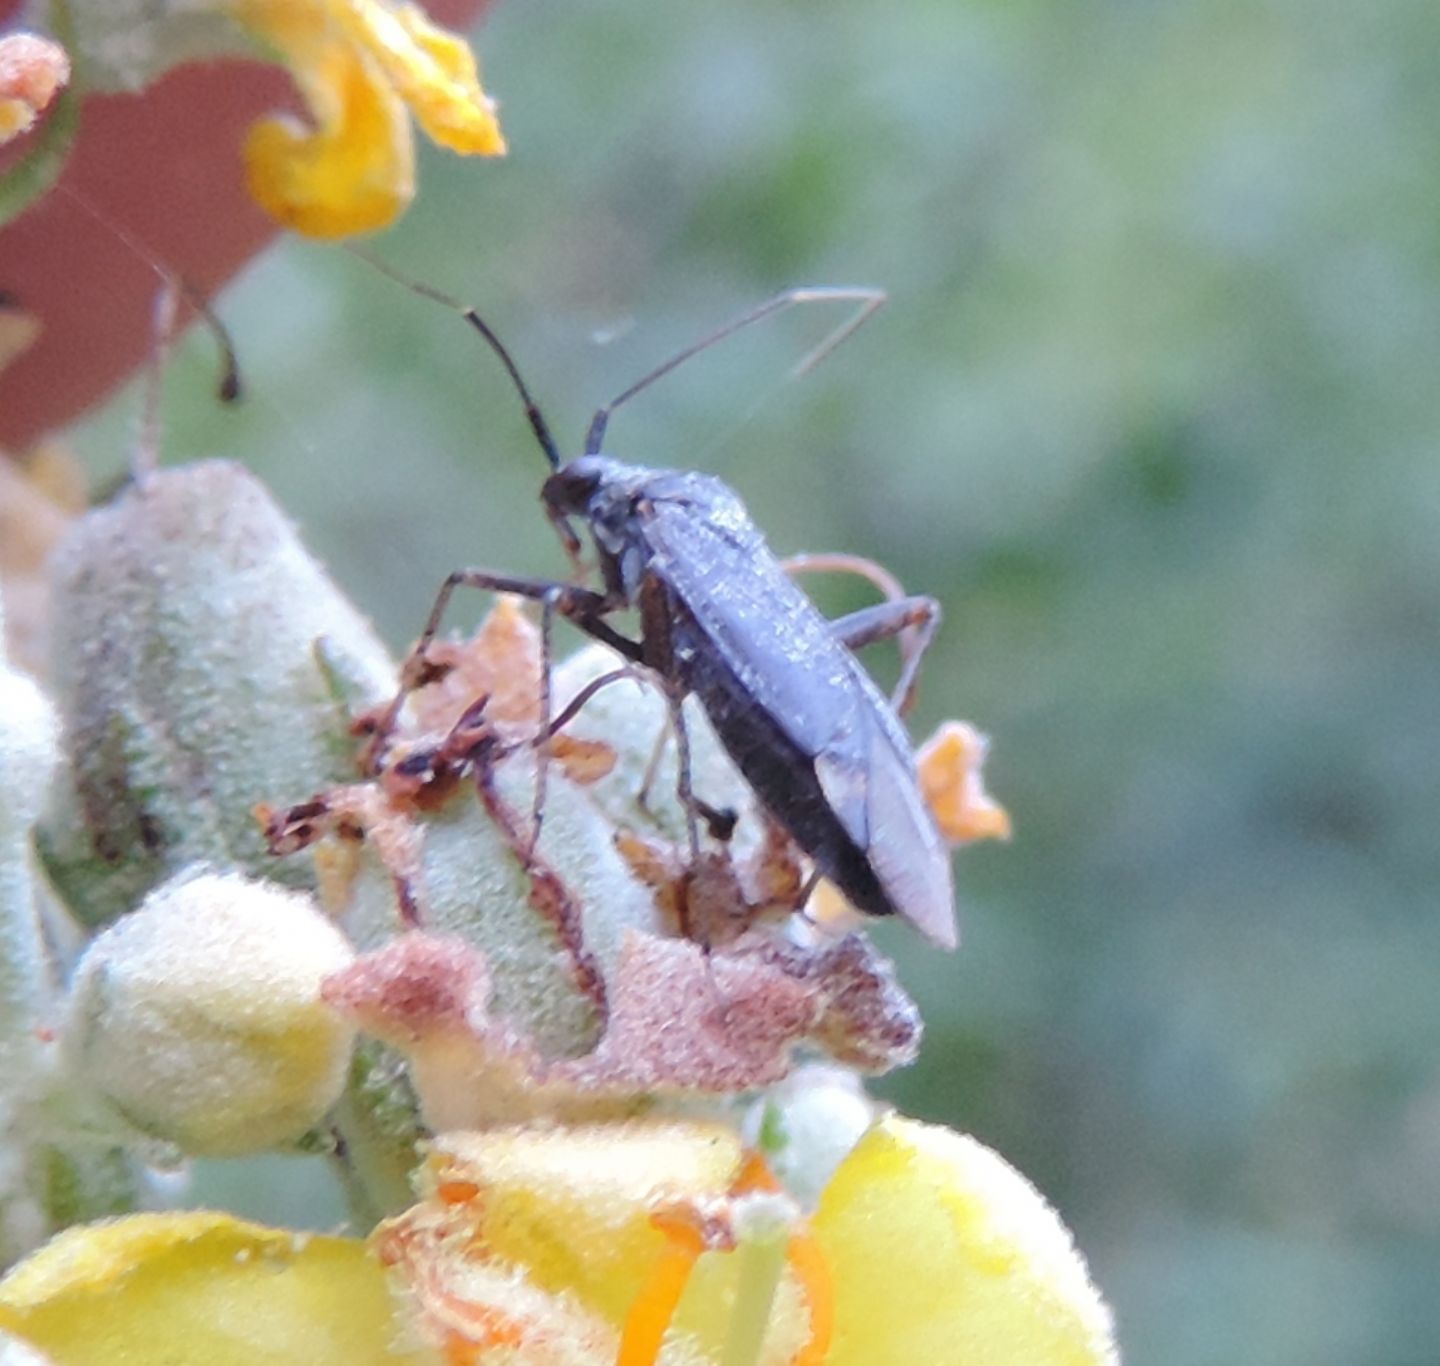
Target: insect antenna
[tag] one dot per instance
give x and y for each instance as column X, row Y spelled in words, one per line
column 867, row 301
column 229, row 387
column 538, row 425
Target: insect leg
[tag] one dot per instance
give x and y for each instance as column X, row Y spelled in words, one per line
column 652, row 766
column 164, row 328
column 551, row 726
column 841, row 562
column 585, row 608
column 867, row 301
column 542, row 737
column 577, row 703
column 919, row 615
column 913, row 619
column 687, row 801
column 802, row 897
column 720, row 821
column 683, row 789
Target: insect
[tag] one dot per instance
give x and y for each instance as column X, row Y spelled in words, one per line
column 720, row 619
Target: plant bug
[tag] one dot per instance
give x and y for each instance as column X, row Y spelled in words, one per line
column 720, row 618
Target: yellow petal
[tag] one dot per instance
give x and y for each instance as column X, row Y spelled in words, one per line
column 203, row 1289
column 573, row 1205
column 941, row 1252
column 360, row 64
column 432, row 71
column 353, row 172
column 595, row 1236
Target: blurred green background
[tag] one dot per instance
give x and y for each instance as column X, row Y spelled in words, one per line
column 1152, row 411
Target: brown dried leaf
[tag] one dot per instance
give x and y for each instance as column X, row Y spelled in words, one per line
column 429, row 997
column 500, row 661
column 682, row 1020
column 584, row 761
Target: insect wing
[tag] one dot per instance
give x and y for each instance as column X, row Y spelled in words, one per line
column 765, row 630
column 772, row 638
column 903, row 846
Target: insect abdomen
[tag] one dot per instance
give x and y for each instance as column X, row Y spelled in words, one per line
column 777, row 770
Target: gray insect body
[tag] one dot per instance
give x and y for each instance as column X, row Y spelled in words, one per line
column 822, row 748
column 804, row 722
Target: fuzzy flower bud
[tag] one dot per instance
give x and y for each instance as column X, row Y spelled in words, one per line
column 28, row 752
column 199, row 1017
column 198, row 657
column 29, row 736
column 807, row 1125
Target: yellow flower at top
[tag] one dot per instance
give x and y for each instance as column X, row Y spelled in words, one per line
column 364, row 67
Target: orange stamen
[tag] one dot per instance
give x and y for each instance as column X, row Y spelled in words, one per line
column 649, row 1318
column 754, row 1175
column 457, row 1192
column 808, row 1263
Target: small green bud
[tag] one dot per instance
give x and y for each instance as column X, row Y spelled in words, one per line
column 199, row 1016
column 807, row 1125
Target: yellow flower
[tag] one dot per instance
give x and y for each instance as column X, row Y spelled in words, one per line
column 649, row 1242
column 201, row 1289
column 360, row 64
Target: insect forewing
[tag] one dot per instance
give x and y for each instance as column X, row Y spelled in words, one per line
column 903, row 845
column 770, row 635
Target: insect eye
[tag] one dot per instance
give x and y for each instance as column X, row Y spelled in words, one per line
column 569, row 489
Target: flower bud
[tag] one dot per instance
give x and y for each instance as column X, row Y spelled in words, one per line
column 807, row 1125
column 28, row 753
column 29, row 747
column 188, row 622
column 199, row 1018
column 42, row 1184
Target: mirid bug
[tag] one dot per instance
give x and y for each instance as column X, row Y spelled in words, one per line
column 720, row 618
